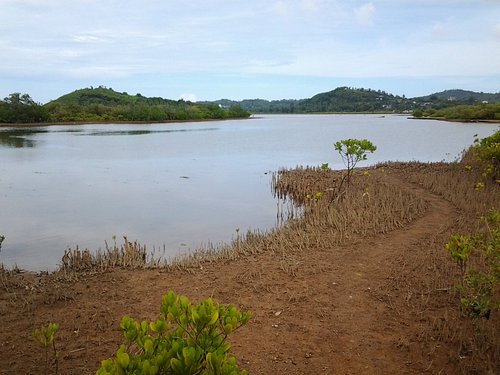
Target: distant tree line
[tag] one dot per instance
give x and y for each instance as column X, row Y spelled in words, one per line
column 105, row 104
column 17, row 108
column 102, row 104
column 483, row 111
column 356, row 100
column 340, row 100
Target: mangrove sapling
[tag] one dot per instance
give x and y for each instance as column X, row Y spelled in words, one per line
column 479, row 288
column 352, row 151
column 186, row 339
column 46, row 337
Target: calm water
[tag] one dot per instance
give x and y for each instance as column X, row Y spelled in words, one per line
column 178, row 186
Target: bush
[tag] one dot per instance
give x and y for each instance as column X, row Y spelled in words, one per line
column 479, row 288
column 186, row 339
column 487, row 150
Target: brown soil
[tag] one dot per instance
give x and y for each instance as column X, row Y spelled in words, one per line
column 366, row 306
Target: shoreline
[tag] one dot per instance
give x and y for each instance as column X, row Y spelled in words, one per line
column 455, row 120
column 113, row 122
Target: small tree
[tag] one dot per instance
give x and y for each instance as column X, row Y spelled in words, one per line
column 353, row 151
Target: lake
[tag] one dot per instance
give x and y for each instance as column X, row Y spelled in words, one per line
column 179, row 186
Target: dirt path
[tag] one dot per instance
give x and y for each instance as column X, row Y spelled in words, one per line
column 323, row 311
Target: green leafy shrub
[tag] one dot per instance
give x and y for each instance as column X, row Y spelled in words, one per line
column 479, row 288
column 46, row 337
column 487, row 151
column 186, row 339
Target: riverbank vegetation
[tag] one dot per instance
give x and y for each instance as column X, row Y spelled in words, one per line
column 475, row 112
column 105, row 104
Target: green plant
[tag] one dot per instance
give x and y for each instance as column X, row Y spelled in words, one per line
column 479, row 288
column 46, row 336
column 459, row 248
column 186, row 339
column 487, row 151
column 352, row 151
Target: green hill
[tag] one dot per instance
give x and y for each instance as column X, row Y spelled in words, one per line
column 346, row 99
column 108, row 97
column 340, row 100
column 463, row 96
column 105, row 104
column 359, row 100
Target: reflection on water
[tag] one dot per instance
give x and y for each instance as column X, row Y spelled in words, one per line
column 19, row 137
column 26, row 137
column 143, row 132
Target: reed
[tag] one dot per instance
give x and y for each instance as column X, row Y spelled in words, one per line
column 305, row 220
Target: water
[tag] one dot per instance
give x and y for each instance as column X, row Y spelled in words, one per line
column 178, row 186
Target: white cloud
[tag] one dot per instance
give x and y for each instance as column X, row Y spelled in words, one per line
column 189, row 97
column 365, row 13
column 281, row 8
column 310, row 5
column 438, row 30
column 87, row 38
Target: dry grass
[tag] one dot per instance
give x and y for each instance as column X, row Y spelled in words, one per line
column 369, row 208
column 429, row 280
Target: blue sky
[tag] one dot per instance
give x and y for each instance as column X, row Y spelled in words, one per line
column 207, row 50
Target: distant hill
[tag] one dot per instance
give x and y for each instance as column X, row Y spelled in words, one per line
column 108, row 97
column 353, row 100
column 346, row 99
column 462, row 96
column 342, row 99
column 106, row 105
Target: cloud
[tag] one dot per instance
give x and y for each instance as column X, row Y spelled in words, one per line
column 310, row 5
column 281, row 8
column 87, row 38
column 365, row 13
column 438, row 30
column 189, row 97
column 102, row 41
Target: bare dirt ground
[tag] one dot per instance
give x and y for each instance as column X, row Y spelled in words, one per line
column 365, row 306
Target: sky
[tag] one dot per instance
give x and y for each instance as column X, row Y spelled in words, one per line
column 241, row 49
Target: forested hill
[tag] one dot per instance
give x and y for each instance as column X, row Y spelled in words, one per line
column 342, row 99
column 108, row 97
column 471, row 97
column 347, row 99
column 105, row 104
